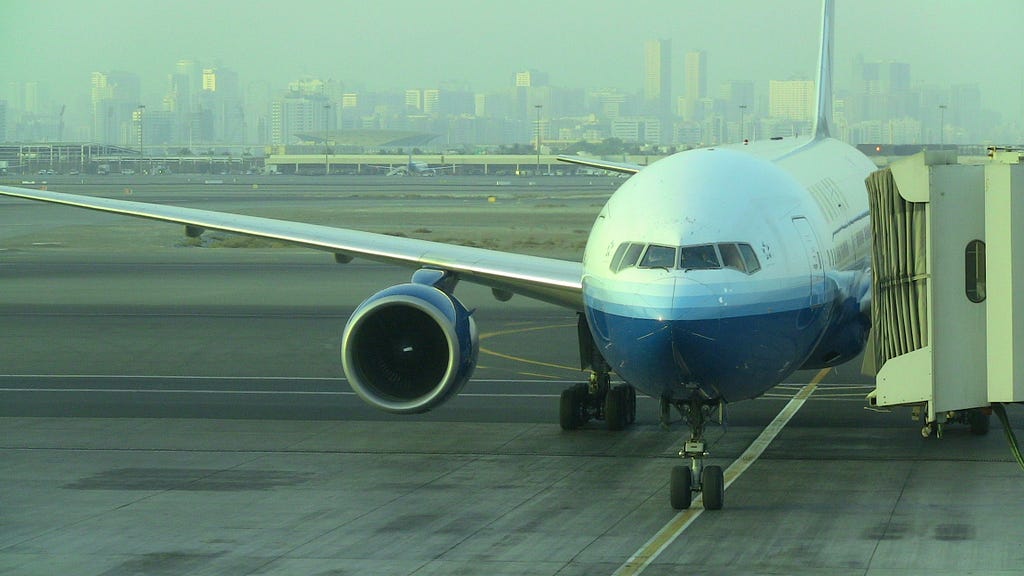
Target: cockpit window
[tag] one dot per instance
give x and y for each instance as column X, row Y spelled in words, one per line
column 626, row 255
column 617, row 257
column 731, row 257
column 659, row 257
column 739, row 257
column 749, row 258
column 702, row 257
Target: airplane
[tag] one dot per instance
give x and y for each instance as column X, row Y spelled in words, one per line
column 708, row 277
column 413, row 167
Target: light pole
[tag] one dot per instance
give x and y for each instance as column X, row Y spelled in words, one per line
column 538, row 107
column 743, row 110
column 142, row 150
column 327, row 114
column 942, row 126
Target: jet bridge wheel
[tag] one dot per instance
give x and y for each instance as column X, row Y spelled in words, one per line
column 681, row 487
column 978, row 420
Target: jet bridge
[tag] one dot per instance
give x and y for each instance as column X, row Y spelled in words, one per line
column 947, row 334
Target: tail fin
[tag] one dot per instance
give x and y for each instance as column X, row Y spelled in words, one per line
column 824, row 105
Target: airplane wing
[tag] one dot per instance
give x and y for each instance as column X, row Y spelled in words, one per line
column 547, row 279
column 622, row 167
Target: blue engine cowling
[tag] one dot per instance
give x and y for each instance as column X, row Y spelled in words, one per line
column 409, row 348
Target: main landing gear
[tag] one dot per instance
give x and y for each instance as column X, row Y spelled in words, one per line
column 696, row 477
column 598, row 400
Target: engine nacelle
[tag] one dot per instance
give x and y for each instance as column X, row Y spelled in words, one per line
column 409, row 348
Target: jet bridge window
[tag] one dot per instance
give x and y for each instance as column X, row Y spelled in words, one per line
column 659, row 257
column 626, row 255
column 703, row 257
column 974, row 271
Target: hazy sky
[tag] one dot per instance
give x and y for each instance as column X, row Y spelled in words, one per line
column 402, row 44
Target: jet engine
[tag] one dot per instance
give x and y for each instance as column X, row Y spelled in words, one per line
column 409, row 348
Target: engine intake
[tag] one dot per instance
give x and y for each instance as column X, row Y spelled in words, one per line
column 409, row 348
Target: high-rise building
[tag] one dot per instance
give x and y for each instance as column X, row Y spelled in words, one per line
column 658, row 77
column 882, row 91
column 531, row 90
column 3, row 120
column 296, row 113
column 431, row 101
column 608, row 102
column 695, row 88
column 221, row 105
column 792, row 100
column 414, row 101
column 531, row 78
column 32, row 102
column 658, row 86
column 115, row 96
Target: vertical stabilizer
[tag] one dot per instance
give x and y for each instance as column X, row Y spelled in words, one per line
column 824, row 106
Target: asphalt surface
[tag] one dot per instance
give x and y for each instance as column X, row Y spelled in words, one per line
column 183, row 411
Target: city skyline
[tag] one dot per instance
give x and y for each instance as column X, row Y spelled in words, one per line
column 398, row 49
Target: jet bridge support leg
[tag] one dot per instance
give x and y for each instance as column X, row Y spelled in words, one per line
column 696, row 477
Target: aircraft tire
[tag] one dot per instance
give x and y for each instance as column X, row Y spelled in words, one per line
column 681, row 487
column 615, row 408
column 568, row 410
column 631, row 401
column 713, row 487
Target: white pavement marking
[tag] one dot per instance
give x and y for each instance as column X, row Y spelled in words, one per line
column 651, row 549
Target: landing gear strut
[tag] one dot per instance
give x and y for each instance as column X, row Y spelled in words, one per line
column 597, row 400
column 696, row 477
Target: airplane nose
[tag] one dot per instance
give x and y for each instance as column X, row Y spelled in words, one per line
column 697, row 310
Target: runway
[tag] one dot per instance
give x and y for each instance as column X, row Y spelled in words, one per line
column 183, row 411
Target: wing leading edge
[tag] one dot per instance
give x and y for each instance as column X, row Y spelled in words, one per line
column 621, row 167
column 549, row 280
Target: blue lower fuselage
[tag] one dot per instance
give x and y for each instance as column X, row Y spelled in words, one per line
column 708, row 345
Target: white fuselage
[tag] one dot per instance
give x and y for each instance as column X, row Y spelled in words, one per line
column 720, row 271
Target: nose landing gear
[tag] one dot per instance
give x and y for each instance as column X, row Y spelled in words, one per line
column 686, row 480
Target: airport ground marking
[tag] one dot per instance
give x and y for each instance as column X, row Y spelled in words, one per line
column 488, row 335
column 668, row 534
column 490, row 352
column 526, row 360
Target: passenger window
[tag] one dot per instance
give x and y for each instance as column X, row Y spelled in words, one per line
column 659, row 257
column 750, row 258
column 699, row 257
column 731, row 257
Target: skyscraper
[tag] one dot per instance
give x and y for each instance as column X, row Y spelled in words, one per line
column 658, row 77
column 792, row 99
column 695, row 75
column 221, row 104
column 115, row 96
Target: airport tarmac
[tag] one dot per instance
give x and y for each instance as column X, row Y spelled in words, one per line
column 176, row 410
